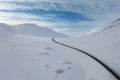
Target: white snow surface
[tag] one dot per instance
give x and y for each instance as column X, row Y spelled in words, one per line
column 103, row 43
column 25, row 57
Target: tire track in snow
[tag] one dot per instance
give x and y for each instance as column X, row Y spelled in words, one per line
column 96, row 59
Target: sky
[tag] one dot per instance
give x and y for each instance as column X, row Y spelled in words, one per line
column 71, row 17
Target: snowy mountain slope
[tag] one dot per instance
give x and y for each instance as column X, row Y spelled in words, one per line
column 34, row 58
column 104, row 43
column 6, row 30
column 34, row 30
column 28, row 29
column 109, row 26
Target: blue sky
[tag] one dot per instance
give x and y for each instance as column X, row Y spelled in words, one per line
column 69, row 17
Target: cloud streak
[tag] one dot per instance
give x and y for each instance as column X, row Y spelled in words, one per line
column 84, row 7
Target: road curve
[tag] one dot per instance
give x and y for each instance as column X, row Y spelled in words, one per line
column 96, row 59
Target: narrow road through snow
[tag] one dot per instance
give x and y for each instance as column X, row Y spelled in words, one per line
column 93, row 57
column 34, row 58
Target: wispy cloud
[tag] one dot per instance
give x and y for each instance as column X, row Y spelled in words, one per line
column 78, row 6
column 11, row 6
column 17, row 18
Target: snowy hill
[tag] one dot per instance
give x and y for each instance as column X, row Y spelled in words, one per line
column 115, row 23
column 34, row 30
column 104, row 43
column 6, row 30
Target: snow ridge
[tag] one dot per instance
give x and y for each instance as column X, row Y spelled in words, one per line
column 28, row 29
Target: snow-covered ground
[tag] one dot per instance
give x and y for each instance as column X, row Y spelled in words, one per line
column 104, row 43
column 33, row 58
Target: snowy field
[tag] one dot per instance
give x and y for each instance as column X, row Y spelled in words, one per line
column 25, row 57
